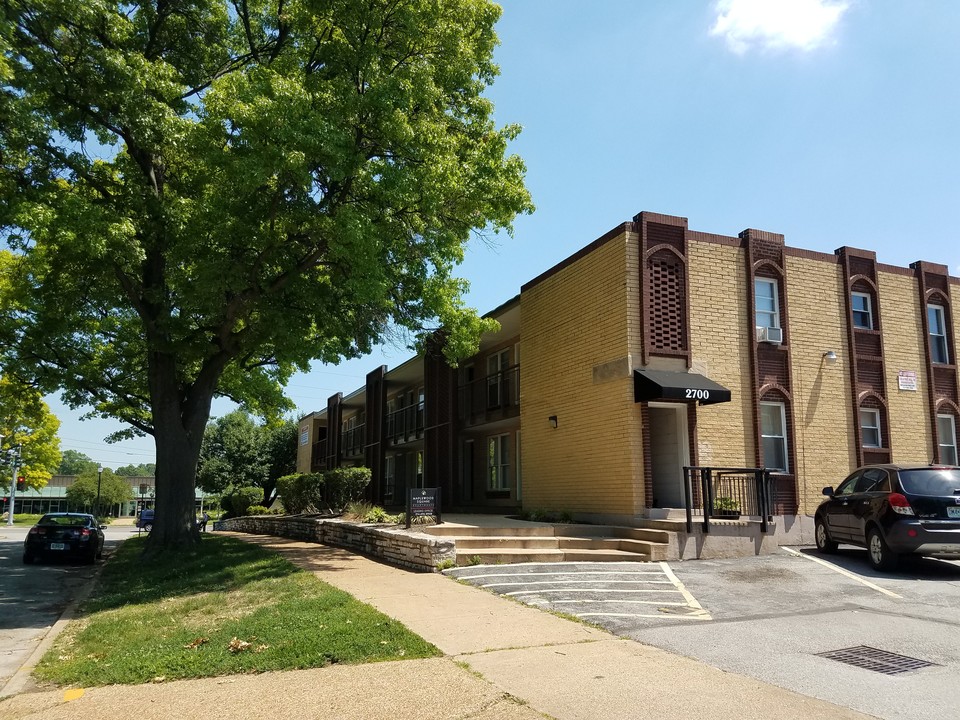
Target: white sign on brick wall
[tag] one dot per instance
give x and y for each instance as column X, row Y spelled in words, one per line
column 907, row 380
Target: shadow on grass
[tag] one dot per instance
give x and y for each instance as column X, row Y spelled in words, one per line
column 219, row 564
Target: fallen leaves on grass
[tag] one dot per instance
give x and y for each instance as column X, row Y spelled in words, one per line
column 237, row 645
column 197, row 642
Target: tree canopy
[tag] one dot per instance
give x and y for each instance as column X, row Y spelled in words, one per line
column 204, row 196
column 238, row 452
column 75, row 462
column 141, row 470
column 26, row 420
column 114, row 489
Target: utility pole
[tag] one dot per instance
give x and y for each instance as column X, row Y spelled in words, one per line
column 96, row 510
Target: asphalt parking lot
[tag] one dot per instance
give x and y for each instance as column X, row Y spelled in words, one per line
column 774, row 618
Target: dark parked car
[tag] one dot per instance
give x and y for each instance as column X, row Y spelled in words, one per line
column 64, row 535
column 893, row 510
column 145, row 521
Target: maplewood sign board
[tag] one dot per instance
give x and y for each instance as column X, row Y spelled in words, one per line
column 423, row 502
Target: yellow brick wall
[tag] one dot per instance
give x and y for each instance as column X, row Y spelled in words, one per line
column 720, row 333
column 823, row 416
column 303, row 451
column 583, row 317
column 904, row 348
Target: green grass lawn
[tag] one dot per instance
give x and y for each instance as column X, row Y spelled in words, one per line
column 229, row 607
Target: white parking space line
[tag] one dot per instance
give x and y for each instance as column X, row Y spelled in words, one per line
column 582, row 590
column 843, row 572
column 681, row 588
column 553, row 574
column 582, row 582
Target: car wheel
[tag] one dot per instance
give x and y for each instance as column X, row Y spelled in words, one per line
column 881, row 556
column 824, row 543
column 148, row 527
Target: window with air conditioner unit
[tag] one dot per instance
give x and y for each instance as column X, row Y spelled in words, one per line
column 766, row 299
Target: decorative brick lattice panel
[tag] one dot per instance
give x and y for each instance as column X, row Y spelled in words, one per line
column 868, row 344
column 667, row 295
column 772, row 366
column 945, row 383
column 870, row 376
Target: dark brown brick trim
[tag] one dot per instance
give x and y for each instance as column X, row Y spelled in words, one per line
column 942, row 385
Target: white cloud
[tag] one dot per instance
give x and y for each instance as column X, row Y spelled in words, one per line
column 776, row 24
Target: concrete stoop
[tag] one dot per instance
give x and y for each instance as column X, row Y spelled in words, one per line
column 556, row 543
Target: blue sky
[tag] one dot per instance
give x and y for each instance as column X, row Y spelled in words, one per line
column 834, row 123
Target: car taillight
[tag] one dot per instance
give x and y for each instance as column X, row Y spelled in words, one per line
column 85, row 532
column 899, row 504
column 37, row 531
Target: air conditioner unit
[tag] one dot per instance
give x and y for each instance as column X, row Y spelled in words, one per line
column 772, row 335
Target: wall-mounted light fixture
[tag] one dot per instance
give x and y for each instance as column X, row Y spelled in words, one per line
column 830, row 357
column 553, row 421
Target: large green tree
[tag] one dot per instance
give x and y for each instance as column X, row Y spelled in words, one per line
column 114, row 489
column 203, row 196
column 75, row 462
column 27, row 423
column 238, row 452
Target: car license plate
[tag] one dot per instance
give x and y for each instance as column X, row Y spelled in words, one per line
column 953, row 512
column 58, row 546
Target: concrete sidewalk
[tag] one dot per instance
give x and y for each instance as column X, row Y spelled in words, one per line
column 503, row 661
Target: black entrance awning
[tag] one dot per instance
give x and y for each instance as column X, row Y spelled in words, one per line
column 664, row 385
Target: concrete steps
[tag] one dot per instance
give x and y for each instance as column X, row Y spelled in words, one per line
column 555, row 543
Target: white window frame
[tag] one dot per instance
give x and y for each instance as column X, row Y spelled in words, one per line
column 870, row 422
column 498, row 462
column 948, row 450
column 939, row 350
column 782, row 437
column 868, row 310
column 774, row 314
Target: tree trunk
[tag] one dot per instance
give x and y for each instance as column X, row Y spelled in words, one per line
column 180, row 416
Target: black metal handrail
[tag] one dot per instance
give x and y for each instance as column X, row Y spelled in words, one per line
column 353, row 440
column 726, row 492
column 491, row 392
column 405, row 424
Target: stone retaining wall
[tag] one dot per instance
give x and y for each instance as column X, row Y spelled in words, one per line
column 397, row 546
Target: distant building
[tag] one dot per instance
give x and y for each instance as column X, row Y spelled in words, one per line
column 53, row 497
column 656, row 348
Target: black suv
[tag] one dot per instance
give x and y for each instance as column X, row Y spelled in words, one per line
column 893, row 510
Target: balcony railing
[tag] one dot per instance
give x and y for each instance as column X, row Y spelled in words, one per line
column 720, row 493
column 405, row 425
column 497, row 392
column 354, row 441
column 318, row 456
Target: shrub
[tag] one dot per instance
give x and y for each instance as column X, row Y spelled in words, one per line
column 357, row 510
column 302, row 492
column 257, row 510
column 378, row 515
column 344, row 485
column 238, row 500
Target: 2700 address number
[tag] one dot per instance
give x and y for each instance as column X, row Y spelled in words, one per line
column 697, row 394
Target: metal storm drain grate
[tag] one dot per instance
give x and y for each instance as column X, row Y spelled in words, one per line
column 879, row 661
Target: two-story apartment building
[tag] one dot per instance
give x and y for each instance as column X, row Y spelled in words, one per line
column 657, row 347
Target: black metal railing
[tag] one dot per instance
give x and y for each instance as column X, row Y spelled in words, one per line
column 353, row 441
column 726, row 493
column 405, row 424
column 494, row 392
column 318, row 456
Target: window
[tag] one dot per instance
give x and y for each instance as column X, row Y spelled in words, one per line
column 947, row 439
column 773, row 436
column 389, row 477
column 767, row 303
column 498, row 392
column 938, row 334
column 870, row 427
column 498, row 462
column 862, row 311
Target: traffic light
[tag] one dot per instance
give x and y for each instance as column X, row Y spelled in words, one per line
column 21, row 483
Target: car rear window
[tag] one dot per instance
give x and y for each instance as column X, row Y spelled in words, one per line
column 931, row 481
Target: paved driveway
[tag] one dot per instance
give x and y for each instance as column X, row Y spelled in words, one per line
column 774, row 617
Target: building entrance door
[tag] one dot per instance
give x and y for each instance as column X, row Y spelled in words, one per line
column 670, row 451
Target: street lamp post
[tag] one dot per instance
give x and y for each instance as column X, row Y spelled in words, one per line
column 96, row 508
